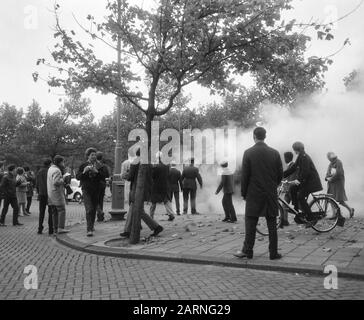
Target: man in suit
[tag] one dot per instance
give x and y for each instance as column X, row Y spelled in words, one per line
column 189, row 176
column 160, row 191
column 307, row 182
column 175, row 184
column 262, row 172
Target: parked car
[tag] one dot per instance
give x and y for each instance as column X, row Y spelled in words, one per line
column 77, row 191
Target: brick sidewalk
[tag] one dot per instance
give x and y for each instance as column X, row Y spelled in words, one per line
column 205, row 239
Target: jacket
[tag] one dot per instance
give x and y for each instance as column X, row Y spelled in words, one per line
column 8, row 185
column 189, row 176
column 262, row 172
column 175, row 180
column 227, row 182
column 92, row 182
column 160, row 189
column 41, row 182
column 307, row 174
column 55, row 187
column 132, row 177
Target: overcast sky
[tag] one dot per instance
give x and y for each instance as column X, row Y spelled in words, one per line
column 23, row 40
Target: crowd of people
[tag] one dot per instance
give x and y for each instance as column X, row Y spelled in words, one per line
column 262, row 173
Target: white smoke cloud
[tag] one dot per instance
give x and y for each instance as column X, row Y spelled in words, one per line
column 325, row 122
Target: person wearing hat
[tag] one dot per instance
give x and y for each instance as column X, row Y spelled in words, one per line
column 175, row 184
column 91, row 177
column 335, row 178
column 307, row 182
column 227, row 185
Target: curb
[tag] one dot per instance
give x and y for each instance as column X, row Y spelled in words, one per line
column 64, row 239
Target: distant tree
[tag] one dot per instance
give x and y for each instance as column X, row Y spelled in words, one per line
column 354, row 81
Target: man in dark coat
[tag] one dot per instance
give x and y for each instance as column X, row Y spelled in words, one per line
column 307, row 182
column 160, row 189
column 189, row 176
column 91, row 178
column 262, row 172
column 175, row 185
column 41, row 187
column 132, row 175
column 8, row 185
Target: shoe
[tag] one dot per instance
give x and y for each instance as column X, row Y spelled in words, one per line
column 352, row 213
column 60, row 231
column 40, row 232
column 26, row 214
column 242, row 255
column 21, row 215
column 195, row 213
column 18, row 224
column 178, row 214
column 157, row 231
column 125, row 234
column 276, row 256
column 171, row 218
column 299, row 219
column 226, row 220
column 232, row 221
column 90, row 234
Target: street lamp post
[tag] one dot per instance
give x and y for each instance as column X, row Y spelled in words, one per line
column 117, row 206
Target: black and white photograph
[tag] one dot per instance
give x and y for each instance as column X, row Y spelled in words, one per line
column 182, row 155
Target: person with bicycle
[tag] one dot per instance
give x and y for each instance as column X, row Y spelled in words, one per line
column 307, row 182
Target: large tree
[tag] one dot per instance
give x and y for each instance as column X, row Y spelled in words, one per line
column 178, row 42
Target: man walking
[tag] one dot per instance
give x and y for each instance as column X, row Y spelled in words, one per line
column 189, row 176
column 161, row 192
column 2, row 173
column 227, row 185
column 8, row 185
column 41, row 187
column 91, row 176
column 262, row 171
column 56, row 196
column 175, row 185
column 132, row 175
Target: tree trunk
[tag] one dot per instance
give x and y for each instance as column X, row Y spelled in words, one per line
column 142, row 184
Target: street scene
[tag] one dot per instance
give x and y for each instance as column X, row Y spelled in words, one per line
column 206, row 151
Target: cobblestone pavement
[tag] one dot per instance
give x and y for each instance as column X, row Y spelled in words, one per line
column 205, row 236
column 67, row 274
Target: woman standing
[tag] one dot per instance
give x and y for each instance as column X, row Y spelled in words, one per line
column 30, row 189
column 335, row 177
column 21, row 191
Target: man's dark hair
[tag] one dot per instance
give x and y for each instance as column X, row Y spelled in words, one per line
column 288, row 156
column 26, row 168
column 298, row 146
column 99, row 155
column 57, row 160
column 11, row 167
column 192, row 160
column 137, row 153
column 20, row 170
column 47, row 162
column 260, row 133
column 89, row 151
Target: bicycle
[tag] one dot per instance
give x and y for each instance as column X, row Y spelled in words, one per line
column 324, row 207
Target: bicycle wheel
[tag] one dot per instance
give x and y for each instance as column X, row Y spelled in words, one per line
column 262, row 227
column 326, row 211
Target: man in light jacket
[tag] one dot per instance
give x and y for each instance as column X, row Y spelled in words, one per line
column 56, row 196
